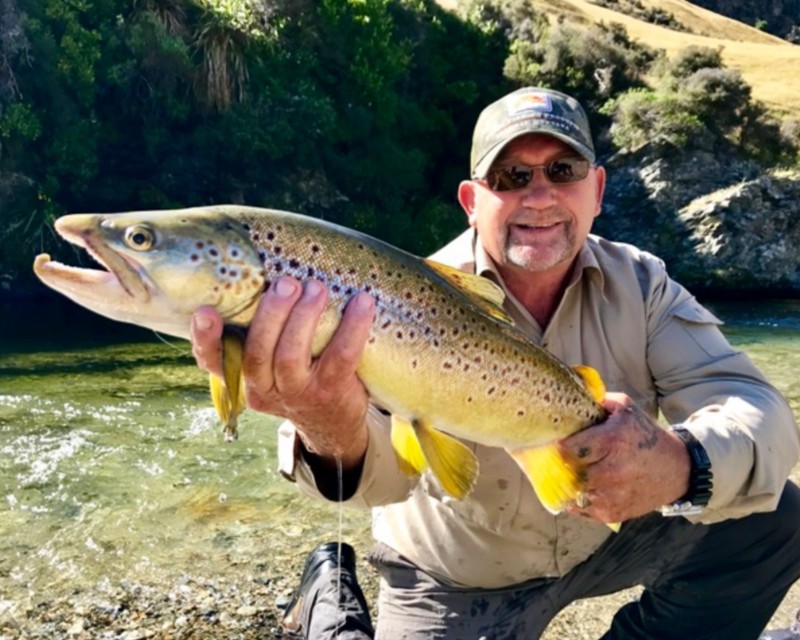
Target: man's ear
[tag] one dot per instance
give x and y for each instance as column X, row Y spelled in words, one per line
column 600, row 174
column 466, row 198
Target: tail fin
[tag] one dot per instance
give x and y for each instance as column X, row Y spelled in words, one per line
column 556, row 476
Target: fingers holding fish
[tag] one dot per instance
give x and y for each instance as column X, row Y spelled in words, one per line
column 284, row 358
column 633, row 465
column 343, row 354
column 206, row 332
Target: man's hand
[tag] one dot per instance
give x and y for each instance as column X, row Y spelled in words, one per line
column 322, row 396
column 633, row 465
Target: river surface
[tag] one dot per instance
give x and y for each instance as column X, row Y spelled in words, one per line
column 112, row 464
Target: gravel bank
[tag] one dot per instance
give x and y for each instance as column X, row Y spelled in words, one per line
column 241, row 608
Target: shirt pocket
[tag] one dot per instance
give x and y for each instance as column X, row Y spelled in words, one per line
column 699, row 330
column 494, row 502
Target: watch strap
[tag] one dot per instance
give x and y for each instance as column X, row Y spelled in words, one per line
column 700, row 478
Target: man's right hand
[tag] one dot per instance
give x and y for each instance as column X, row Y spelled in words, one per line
column 322, row 396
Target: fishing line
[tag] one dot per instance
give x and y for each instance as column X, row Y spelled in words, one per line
column 340, row 492
column 183, row 352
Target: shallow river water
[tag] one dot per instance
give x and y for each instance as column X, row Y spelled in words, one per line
column 112, row 464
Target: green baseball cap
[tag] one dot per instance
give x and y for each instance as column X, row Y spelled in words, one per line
column 529, row 110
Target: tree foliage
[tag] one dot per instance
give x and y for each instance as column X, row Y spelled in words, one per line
column 358, row 111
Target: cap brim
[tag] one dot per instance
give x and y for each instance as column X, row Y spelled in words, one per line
column 484, row 164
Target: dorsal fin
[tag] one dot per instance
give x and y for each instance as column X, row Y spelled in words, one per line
column 483, row 293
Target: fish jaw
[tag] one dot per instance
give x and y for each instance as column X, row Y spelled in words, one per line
column 159, row 282
column 104, row 293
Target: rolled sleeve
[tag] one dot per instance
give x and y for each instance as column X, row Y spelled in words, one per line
column 381, row 480
column 745, row 425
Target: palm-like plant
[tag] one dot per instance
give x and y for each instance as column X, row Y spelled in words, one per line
column 222, row 38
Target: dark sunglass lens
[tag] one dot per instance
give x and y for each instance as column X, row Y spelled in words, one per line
column 567, row 170
column 509, row 178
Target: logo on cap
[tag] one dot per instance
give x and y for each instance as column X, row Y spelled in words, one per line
column 532, row 101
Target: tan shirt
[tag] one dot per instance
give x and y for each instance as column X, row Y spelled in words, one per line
column 648, row 337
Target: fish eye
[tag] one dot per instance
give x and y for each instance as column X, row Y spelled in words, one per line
column 139, row 237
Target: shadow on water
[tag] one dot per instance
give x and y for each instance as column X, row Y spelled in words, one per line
column 48, row 322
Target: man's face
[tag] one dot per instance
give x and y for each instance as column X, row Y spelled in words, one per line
column 542, row 226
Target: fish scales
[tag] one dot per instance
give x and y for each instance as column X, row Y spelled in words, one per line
column 460, row 368
column 442, row 356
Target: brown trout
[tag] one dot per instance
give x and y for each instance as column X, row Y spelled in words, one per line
column 442, row 356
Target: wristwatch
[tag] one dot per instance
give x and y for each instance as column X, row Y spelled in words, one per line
column 700, row 478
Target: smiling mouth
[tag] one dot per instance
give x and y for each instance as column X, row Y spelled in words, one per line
column 536, row 227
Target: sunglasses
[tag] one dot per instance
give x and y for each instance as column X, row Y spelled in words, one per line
column 518, row 176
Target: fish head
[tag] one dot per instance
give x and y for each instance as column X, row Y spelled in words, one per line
column 159, row 267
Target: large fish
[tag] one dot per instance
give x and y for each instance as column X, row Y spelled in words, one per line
column 442, row 356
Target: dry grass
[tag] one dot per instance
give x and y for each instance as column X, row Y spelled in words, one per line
column 768, row 64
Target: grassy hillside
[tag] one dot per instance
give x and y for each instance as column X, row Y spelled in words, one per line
column 768, row 64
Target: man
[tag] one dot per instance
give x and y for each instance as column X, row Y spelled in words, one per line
column 709, row 520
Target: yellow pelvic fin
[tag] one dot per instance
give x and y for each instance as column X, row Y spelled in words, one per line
column 556, row 476
column 451, row 461
column 480, row 291
column 409, row 455
column 227, row 393
column 592, row 381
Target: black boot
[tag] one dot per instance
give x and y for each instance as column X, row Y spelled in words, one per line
column 328, row 598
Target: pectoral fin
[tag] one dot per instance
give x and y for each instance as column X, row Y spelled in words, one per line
column 227, row 393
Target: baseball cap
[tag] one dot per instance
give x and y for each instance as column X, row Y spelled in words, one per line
column 529, row 110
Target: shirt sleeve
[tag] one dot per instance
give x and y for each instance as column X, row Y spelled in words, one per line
column 381, row 480
column 744, row 423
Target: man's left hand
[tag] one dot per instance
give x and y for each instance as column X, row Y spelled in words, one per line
column 633, row 465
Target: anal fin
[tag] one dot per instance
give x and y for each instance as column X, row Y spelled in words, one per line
column 451, row 461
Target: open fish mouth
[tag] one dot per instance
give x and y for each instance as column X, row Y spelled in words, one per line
column 121, row 276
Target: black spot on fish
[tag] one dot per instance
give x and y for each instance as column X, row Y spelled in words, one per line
column 310, row 272
column 195, row 257
column 278, row 266
column 213, row 252
column 270, row 235
column 315, row 248
column 277, row 250
column 200, row 244
column 294, row 263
